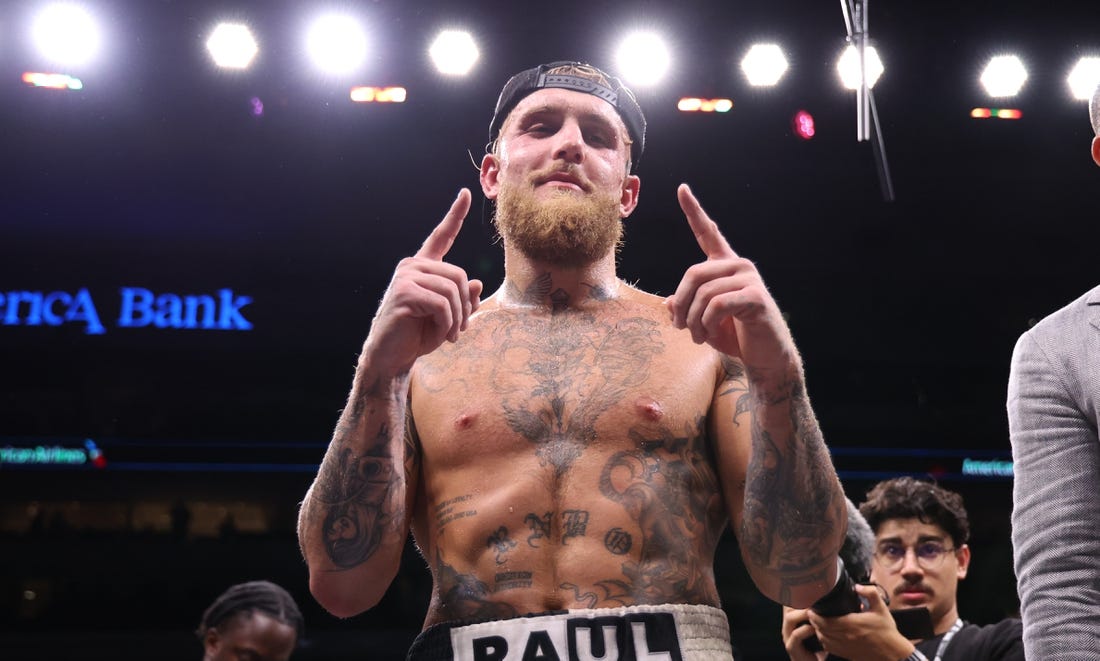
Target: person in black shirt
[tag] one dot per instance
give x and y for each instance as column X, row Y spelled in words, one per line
column 920, row 554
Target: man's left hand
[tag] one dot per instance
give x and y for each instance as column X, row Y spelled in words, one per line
column 723, row 301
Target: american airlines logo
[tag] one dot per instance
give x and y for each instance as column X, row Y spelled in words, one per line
column 137, row 308
column 630, row 637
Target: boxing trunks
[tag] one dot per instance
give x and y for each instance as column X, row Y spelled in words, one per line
column 673, row 632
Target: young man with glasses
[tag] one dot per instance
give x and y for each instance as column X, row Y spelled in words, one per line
column 920, row 555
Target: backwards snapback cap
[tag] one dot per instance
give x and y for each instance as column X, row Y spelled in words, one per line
column 536, row 78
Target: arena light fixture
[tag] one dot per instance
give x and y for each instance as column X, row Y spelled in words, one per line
column 66, row 34
column 372, row 94
column 1003, row 76
column 764, row 65
column 1084, row 78
column 848, row 67
column 57, row 81
column 996, row 113
column 232, row 46
column 696, row 104
column 336, row 43
column 642, row 59
column 804, row 125
column 454, row 52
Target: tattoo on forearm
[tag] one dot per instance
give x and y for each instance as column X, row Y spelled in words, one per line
column 736, row 387
column 790, row 502
column 412, row 445
column 353, row 493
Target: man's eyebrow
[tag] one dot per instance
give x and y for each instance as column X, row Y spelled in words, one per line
column 920, row 539
column 553, row 110
column 930, row 538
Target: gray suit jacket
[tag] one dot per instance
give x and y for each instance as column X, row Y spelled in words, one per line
column 1053, row 399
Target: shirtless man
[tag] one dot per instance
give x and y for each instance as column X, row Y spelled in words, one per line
column 572, row 443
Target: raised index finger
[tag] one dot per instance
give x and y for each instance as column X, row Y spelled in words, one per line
column 706, row 232
column 443, row 236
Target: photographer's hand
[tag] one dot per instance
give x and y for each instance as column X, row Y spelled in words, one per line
column 870, row 635
column 796, row 631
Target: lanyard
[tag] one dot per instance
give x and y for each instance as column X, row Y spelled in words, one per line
column 947, row 638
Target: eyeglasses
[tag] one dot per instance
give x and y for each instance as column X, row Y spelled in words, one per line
column 930, row 555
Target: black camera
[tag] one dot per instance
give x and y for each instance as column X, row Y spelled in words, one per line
column 913, row 623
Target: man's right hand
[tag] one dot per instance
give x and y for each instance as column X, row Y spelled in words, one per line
column 428, row 300
column 796, row 631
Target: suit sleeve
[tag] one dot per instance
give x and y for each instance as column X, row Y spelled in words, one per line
column 1056, row 508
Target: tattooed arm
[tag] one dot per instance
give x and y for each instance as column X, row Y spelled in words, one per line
column 354, row 520
column 785, row 501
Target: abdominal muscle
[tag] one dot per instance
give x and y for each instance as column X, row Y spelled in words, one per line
column 505, row 537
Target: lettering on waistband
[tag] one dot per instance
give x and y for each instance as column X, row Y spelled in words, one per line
column 629, row 637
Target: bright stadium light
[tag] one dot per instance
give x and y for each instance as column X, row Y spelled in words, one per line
column 1084, row 78
column 848, row 67
column 337, row 43
column 66, row 34
column 1004, row 76
column 642, row 59
column 453, row 52
column 764, row 65
column 232, row 46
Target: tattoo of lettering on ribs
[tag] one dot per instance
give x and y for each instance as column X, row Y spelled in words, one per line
column 513, row 580
column 465, row 597
column 501, row 543
column 452, row 509
column 578, row 366
column 669, row 489
column 784, row 519
column 354, row 493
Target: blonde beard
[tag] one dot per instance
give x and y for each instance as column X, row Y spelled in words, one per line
column 570, row 229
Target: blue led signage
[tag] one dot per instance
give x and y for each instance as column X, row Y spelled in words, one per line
column 138, row 308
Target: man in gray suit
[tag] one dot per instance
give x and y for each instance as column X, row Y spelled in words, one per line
column 1053, row 400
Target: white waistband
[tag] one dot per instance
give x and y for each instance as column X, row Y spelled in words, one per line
column 673, row 632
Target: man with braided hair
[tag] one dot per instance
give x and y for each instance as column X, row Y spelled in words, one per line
column 257, row 620
column 568, row 451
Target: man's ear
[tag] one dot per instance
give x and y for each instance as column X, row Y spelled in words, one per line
column 963, row 556
column 1096, row 149
column 210, row 643
column 490, row 176
column 629, row 198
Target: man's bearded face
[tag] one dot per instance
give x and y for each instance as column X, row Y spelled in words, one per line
column 560, row 226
